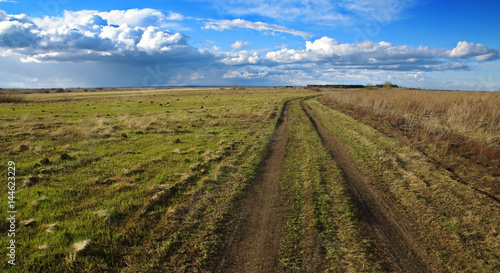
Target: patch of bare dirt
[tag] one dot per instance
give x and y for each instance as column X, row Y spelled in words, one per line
column 395, row 239
column 259, row 229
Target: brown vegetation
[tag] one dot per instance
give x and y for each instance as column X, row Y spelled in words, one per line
column 6, row 97
column 447, row 203
column 456, row 120
column 458, row 130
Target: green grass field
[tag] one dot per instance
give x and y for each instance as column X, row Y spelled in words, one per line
column 148, row 176
column 154, row 181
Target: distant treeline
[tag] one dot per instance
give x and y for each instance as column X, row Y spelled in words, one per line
column 353, row 86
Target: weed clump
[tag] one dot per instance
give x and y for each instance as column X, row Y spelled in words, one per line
column 45, row 161
column 21, row 148
column 31, row 181
column 66, row 157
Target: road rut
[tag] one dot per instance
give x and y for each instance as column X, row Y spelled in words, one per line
column 258, row 232
column 392, row 234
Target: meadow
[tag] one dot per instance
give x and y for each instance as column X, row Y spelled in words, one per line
column 132, row 176
column 202, row 179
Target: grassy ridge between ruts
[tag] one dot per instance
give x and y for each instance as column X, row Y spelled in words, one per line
column 130, row 181
column 322, row 232
column 458, row 224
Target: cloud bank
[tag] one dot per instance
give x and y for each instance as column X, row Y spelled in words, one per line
column 137, row 48
column 89, row 35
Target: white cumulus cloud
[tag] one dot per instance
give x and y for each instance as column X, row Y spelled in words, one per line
column 136, row 47
column 367, row 54
column 239, row 58
column 256, row 72
column 239, row 45
column 480, row 52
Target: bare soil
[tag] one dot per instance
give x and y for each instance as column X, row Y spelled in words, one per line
column 254, row 243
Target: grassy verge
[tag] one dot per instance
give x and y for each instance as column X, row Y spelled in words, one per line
column 458, row 224
column 322, row 232
column 130, row 181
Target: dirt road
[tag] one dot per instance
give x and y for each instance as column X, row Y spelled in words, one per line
column 253, row 246
column 392, row 235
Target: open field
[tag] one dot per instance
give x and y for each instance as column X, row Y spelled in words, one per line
column 150, row 175
column 256, row 180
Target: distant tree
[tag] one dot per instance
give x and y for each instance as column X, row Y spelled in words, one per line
column 235, row 85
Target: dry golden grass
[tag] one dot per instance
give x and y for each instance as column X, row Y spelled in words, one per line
column 10, row 97
column 458, row 222
column 475, row 115
column 460, row 123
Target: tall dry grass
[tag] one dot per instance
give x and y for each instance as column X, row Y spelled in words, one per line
column 475, row 115
column 464, row 121
column 10, row 97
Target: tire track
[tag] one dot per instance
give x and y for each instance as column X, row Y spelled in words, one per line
column 254, row 243
column 392, row 235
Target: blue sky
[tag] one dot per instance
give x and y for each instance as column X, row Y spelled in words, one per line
column 446, row 44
